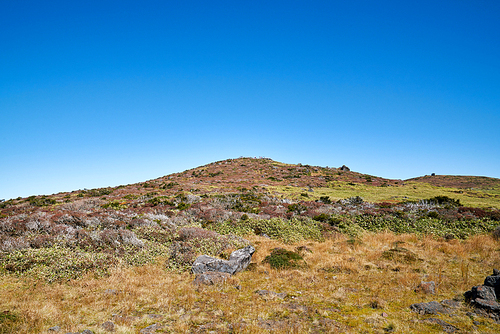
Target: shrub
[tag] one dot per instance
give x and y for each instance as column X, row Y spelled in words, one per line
column 325, row 200
column 283, row 259
column 55, row 263
column 444, row 200
column 41, row 201
column 297, row 208
column 116, row 205
column 160, row 200
column 288, row 231
column 98, row 192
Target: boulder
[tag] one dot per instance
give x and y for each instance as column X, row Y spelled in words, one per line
column 345, row 168
column 494, row 282
column 151, row 329
column 488, row 305
column 428, row 308
column 427, row 287
column 448, row 328
column 108, row 326
column 238, row 261
column 211, row 278
column 484, row 292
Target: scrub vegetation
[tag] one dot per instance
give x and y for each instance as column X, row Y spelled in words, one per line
column 336, row 251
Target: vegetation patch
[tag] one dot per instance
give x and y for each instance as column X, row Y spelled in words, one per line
column 281, row 258
column 400, row 255
column 286, row 230
column 8, row 322
column 41, row 201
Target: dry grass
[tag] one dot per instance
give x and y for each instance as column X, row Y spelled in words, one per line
column 346, row 287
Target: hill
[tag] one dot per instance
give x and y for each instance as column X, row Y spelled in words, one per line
column 361, row 244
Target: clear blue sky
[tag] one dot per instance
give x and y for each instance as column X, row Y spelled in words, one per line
column 103, row 93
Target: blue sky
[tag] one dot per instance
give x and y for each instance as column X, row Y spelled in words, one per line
column 103, row 93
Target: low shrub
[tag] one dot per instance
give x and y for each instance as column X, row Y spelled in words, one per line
column 283, row 259
column 444, row 200
column 288, row 231
column 41, row 201
column 56, row 263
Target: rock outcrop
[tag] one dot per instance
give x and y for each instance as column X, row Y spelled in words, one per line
column 485, row 296
column 238, row 261
column 211, row 278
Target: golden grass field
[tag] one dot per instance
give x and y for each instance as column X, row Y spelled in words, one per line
column 347, row 287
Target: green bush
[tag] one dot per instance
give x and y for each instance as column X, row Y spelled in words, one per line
column 288, row 231
column 283, row 259
column 325, row 200
column 444, row 200
column 41, row 201
column 55, row 263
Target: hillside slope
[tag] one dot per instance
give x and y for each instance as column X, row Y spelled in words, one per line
column 361, row 244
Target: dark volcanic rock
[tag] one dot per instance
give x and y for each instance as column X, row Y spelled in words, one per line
column 428, row 308
column 493, row 281
column 483, row 292
column 448, row 328
column 488, row 305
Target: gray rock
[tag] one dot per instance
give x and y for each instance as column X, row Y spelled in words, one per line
column 451, row 303
column 211, row 278
column 108, row 326
column 345, row 168
column 493, row 281
column 150, row 329
column 427, row 287
column 496, row 272
column 488, row 305
column 87, row 331
column 238, row 261
column 428, row 308
column 54, row 329
column 448, row 328
column 483, row 292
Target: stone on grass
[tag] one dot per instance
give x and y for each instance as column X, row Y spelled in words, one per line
column 238, row 261
column 483, row 292
column 494, row 282
column 448, row 328
column 150, row 329
column 451, row 303
column 488, row 305
column 108, row 326
column 54, row 329
column 428, row 308
column 427, row 287
column 211, row 278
